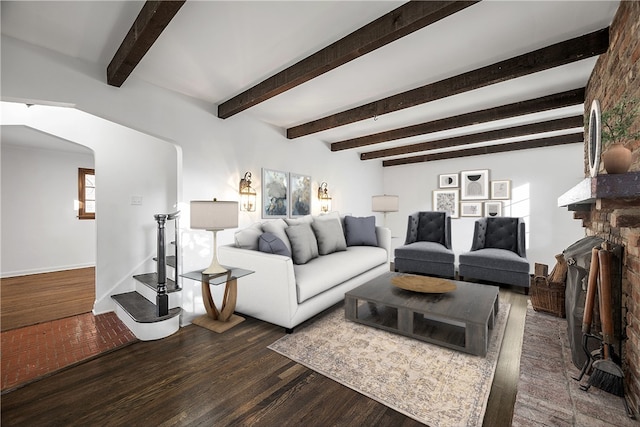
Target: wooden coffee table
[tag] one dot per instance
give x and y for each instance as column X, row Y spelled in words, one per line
column 459, row 319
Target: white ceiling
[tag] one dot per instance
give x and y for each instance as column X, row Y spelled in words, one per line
column 214, row 50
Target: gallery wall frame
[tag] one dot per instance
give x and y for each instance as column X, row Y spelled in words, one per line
column 448, row 180
column 474, row 184
column 446, row 201
column 299, row 194
column 471, row 209
column 275, row 185
column 492, row 208
column 501, row 190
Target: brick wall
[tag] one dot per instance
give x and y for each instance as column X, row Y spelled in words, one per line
column 617, row 74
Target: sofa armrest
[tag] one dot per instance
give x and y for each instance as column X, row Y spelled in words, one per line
column 270, row 292
column 384, row 240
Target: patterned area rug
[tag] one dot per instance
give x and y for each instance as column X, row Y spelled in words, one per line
column 547, row 393
column 431, row 384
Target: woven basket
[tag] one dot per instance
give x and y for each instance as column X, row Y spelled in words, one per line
column 546, row 295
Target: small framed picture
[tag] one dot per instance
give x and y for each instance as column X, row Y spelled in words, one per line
column 474, row 185
column 501, row 189
column 448, row 180
column 299, row 194
column 470, row 208
column 446, row 201
column 492, row 208
column 274, row 193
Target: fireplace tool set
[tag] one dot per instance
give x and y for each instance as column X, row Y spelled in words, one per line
column 603, row 363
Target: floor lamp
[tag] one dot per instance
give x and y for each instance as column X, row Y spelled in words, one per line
column 214, row 215
column 385, row 204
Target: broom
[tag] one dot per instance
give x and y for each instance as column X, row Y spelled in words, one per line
column 607, row 375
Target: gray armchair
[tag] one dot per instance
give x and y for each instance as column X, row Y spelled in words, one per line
column 427, row 248
column 498, row 253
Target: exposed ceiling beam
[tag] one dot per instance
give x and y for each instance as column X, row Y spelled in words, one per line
column 500, row 148
column 151, row 21
column 542, row 59
column 545, row 103
column 398, row 23
column 492, row 135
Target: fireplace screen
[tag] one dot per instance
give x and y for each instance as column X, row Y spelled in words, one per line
column 578, row 257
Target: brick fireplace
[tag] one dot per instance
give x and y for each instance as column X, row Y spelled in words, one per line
column 609, row 205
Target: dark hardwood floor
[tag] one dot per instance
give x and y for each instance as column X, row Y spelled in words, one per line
column 198, row 377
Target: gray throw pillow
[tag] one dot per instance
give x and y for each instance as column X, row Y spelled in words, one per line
column 329, row 235
column 307, row 219
column 247, row 238
column 360, row 231
column 271, row 244
column 304, row 246
column 277, row 227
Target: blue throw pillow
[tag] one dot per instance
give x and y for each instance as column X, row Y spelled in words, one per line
column 271, row 244
column 360, row 231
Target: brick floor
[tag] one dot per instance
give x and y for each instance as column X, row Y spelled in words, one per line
column 34, row 351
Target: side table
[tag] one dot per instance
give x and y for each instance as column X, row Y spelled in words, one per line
column 224, row 318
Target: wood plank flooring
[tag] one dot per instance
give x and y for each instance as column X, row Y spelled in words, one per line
column 197, row 377
column 36, row 298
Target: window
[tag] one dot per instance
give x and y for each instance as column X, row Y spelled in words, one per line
column 87, row 193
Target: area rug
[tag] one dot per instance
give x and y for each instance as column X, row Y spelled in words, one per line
column 429, row 383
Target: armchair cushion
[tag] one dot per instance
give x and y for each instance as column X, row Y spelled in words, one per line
column 431, row 227
column 502, row 233
column 499, row 259
column 425, row 251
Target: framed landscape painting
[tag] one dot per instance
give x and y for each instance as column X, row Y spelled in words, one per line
column 474, row 185
column 446, row 201
column 274, row 194
column 300, row 191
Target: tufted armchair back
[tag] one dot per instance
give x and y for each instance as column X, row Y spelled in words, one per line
column 429, row 227
column 500, row 233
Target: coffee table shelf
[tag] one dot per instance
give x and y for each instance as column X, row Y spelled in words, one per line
column 459, row 319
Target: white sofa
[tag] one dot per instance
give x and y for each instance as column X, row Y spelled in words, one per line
column 286, row 293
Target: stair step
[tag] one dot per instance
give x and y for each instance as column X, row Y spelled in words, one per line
column 140, row 309
column 169, row 259
column 151, row 280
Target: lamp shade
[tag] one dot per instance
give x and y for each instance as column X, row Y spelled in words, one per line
column 213, row 214
column 384, row 203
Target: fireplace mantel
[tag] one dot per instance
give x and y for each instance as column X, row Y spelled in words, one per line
column 587, row 191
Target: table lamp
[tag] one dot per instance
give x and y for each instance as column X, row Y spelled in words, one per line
column 385, row 204
column 214, row 215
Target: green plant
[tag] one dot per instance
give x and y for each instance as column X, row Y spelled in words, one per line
column 617, row 122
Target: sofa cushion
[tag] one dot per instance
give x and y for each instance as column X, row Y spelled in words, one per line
column 277, row 227
column 247, row 238
column 502, row 233
column 271, row 244
column 304, row 246
column 425, row 251
column 307, row 219
column 329, row 235
column 496, row 259
column 360, row 231
column 327, row 271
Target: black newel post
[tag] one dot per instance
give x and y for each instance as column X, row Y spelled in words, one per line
column 162, row 299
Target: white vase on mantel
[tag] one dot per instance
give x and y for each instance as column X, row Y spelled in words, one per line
column 617, row 158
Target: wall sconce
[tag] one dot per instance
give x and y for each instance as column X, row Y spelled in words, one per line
column 247, row 194
column 325, row 199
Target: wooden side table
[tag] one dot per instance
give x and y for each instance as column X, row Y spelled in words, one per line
column 219, row 320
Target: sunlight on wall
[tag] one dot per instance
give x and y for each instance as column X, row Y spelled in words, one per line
column 520, row 207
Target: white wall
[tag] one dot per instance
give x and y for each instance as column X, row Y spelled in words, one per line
column 538, row 177
column 40, row 229
column 215, row 153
